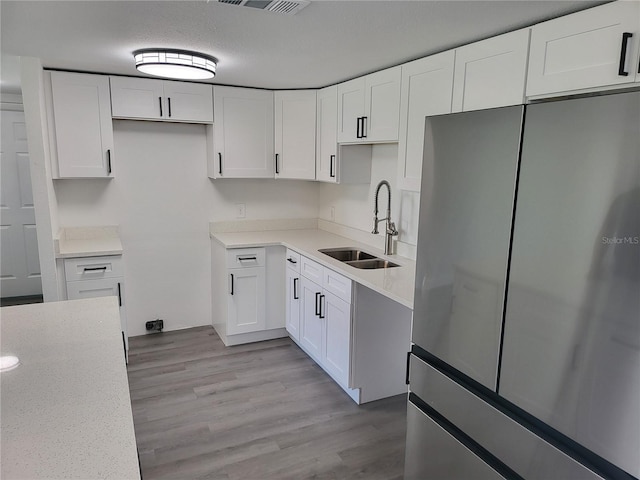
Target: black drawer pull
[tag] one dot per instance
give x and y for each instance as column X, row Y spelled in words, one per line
column 246, row 259
column 321, row 301
column 295, row 289
column 231, row 283
column 291, row 260
column 317, row 304
column 623, row 54
column 94, row 269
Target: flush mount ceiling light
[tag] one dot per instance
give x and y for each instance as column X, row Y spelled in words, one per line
column 180, row 64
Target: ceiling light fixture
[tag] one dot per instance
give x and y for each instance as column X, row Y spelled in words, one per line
column 180, row 64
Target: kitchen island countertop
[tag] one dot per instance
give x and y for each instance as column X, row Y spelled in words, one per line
column 66, row 409
column 395, row 283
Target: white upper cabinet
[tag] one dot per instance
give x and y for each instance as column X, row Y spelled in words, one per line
column 427, row 87
column 593, row 48
column 82, row 145
column 241, row 139
column 491, row 73
column 368, row 108
column 149, row 99
column 326, row 134
column 295, row 139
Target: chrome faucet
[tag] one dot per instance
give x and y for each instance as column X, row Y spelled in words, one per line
column 390, row 227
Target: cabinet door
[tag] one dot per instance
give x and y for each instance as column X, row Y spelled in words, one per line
column 295, row 139
column 137, row 98
column 246, row 300
column 188, row 102
column 311, row 325
column 585, row 49
column 83, row 128
column 327, row 128
column 350, row 109
column 427, row 87
column 293, row 303
column 105, row 287
column 382, row 106
column 243, row 132
column 337, row 336
column 491, row 73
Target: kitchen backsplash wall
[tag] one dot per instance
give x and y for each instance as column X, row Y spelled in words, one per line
column 352, row 205
column 163, row 201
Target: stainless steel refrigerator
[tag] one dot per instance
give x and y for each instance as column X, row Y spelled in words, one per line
column 525, row 360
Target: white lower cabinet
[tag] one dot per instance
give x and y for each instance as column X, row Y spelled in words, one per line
column 91, row 277
column 246, row 300
column 325, row 320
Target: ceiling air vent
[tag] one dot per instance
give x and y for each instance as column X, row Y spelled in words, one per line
column 286, row 7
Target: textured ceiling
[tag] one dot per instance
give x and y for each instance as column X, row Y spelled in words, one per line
column 325, row 43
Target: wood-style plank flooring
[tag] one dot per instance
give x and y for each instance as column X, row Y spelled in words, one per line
column 258, row 411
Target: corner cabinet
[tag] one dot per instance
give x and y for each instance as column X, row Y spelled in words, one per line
column 241, row 141
column 368, row 108
column 81, row 131
column 427, row 88
column 147, row 99
column 295, row 134
column 491, row 73
column 594, row 48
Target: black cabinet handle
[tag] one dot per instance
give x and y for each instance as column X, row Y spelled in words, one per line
column 317, row 304
column 160, row 103
column 623, row 53
column 277, row 166
column 94, row 269
column 406, row 378
column 231, row 283
column 119, row 294
column 358, row 121
column 169, row 104
column 220, row 163
column 363, row 134
column 109, row 161
column 295, row 289
column 321, row 301
column 332, row 172
column 291, row 260
column 243, row 259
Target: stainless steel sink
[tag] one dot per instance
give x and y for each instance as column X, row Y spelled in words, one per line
column 357, row 258
column 372, row 263
column 347, row 254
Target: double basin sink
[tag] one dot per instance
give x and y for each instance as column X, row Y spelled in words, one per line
column 357, row 258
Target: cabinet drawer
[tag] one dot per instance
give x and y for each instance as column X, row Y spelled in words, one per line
column 245, row 257
column 310, row 269
column 337, row 284
column 293, row 260
column 93, row 268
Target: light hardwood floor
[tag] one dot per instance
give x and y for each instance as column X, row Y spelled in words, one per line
column 258, row 411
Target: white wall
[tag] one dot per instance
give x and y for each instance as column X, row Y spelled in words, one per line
column 353, row 204
column 163, row 201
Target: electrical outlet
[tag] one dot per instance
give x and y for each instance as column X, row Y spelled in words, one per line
column 333, row 213
column 240, row 210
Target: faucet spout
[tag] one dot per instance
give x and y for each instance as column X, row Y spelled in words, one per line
column 390, row 230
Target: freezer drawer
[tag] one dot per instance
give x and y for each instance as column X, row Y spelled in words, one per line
column 521, row 450
column 433, row 452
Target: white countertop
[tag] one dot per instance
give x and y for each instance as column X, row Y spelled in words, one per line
column 395, row 283
column 65, row 410
column 88, row 242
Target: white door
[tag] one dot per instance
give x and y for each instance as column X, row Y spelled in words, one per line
column 337, row 343
column 137, row 98
column 382, row 106
column 246, row 300
column 188, row 102
column 491, row 73
column 20, row 267
column 243, row 132
column 427, row 86
column 327, row 128
column 295, row 139
column 311, row 325
column 350, row 110
column 293, row 303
